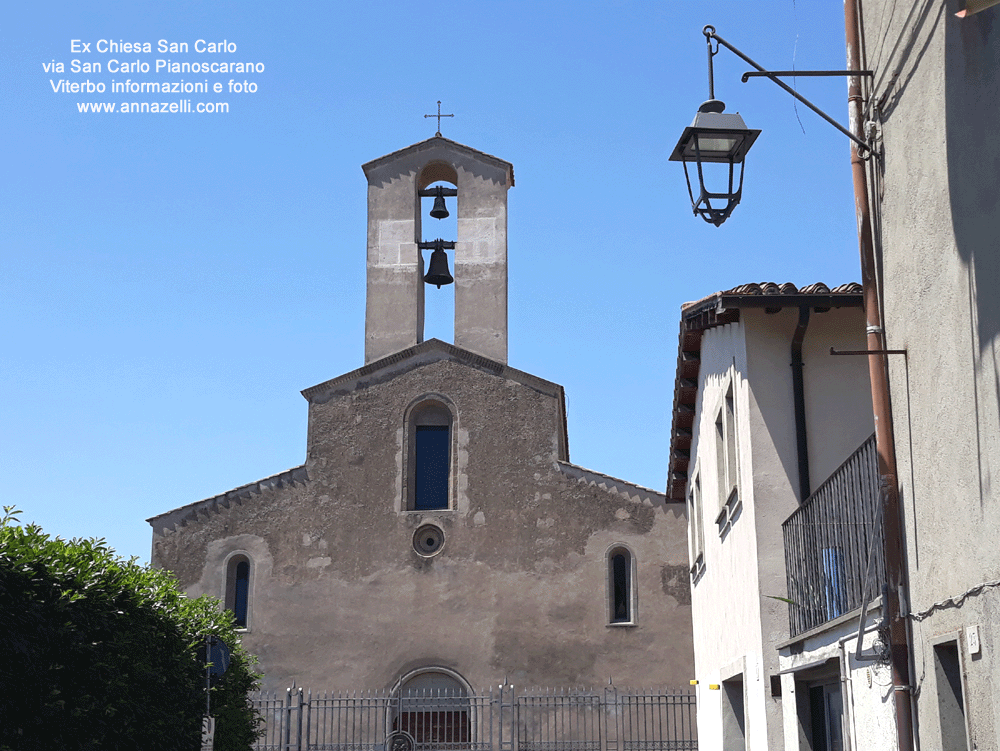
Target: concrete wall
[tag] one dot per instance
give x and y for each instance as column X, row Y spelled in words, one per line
column 865, row 685
column 340, row 599
column 737, row 622
column 937, row 75
column 481, row 265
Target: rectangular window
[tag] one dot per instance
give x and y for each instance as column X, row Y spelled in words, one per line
column 431, row 476
column 951, row 703
column 730, row 486
column 727, row 463
column 696, row 528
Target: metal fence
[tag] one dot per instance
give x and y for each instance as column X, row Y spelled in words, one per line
column 498, row 720
column 828, row 543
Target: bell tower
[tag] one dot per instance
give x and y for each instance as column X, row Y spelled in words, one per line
column 394, row 310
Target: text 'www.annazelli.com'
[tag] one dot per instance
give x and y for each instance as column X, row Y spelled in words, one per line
column 183, row 106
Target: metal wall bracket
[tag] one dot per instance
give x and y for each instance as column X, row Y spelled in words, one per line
column 867, row 351
column 709, row 32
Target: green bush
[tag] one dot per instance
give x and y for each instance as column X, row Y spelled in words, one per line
column 101, row 653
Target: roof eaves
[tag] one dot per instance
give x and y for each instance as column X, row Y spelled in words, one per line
column 185, row 514
column 720, row 309
column 628, row 490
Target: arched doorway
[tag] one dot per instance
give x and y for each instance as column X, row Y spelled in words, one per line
column 433, row 707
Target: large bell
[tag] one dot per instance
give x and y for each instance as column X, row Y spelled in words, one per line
column 437, row 270
column 439, row 211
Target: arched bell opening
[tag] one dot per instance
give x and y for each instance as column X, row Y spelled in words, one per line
column 437, row 223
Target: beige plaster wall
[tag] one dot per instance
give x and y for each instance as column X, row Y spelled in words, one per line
column 937, row 77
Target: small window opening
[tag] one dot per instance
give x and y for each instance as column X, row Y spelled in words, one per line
column 696, row 528
column 238, row 589
column 726, row 463
column 620, row 586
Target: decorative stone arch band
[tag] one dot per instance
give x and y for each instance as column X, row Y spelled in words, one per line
column 430, row 458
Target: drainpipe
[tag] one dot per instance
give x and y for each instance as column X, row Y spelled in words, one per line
column 881, row 406
column 798, row 391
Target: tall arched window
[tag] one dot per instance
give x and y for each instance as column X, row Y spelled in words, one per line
column 238, row 589
column 621, row 593
column 430, row 457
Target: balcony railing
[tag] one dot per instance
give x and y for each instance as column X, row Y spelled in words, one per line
column 827, row 544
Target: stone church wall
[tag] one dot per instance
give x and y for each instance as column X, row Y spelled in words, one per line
column 341, row 599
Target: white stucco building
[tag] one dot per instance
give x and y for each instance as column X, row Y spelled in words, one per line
column 763, row 415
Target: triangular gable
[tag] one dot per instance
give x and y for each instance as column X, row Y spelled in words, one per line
column 430, row 351
column 438, row 148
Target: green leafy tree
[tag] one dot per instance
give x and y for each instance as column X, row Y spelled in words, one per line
column 101, row 653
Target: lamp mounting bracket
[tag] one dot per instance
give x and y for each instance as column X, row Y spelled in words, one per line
column 438, row 191
column 772, row 73
column 710, row 34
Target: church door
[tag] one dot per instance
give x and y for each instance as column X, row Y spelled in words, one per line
column 434, row 709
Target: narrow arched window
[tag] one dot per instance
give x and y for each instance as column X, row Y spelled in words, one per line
column 238, row 589
column 430, row 476
column 620, row 595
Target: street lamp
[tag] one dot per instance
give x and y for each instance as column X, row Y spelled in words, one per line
column 715, row 137
column 719, row 138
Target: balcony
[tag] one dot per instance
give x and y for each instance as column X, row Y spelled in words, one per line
column 827, row 544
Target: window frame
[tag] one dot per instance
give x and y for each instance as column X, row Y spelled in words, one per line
column 727, row 460
column 696, row 526
column 630, row 585
column 231, row 583
column 430, row 411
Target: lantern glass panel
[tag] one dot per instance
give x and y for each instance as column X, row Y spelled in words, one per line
column 721, row 144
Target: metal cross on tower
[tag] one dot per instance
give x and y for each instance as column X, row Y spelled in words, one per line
column 439, row 116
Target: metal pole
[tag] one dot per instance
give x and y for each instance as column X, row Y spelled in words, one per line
column 287, row 715
column 208, row 677
column 711, row 72
column 881, row 405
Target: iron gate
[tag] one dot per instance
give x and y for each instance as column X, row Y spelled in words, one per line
column 498, row 720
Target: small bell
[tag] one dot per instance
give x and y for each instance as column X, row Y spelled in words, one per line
column 439, row 211
column 437, row 269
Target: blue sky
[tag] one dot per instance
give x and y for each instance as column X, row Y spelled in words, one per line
column 170, row 283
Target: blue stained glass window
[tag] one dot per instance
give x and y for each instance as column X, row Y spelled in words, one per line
column 432, row 467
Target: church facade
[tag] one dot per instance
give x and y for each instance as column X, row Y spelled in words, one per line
column 438, row 534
